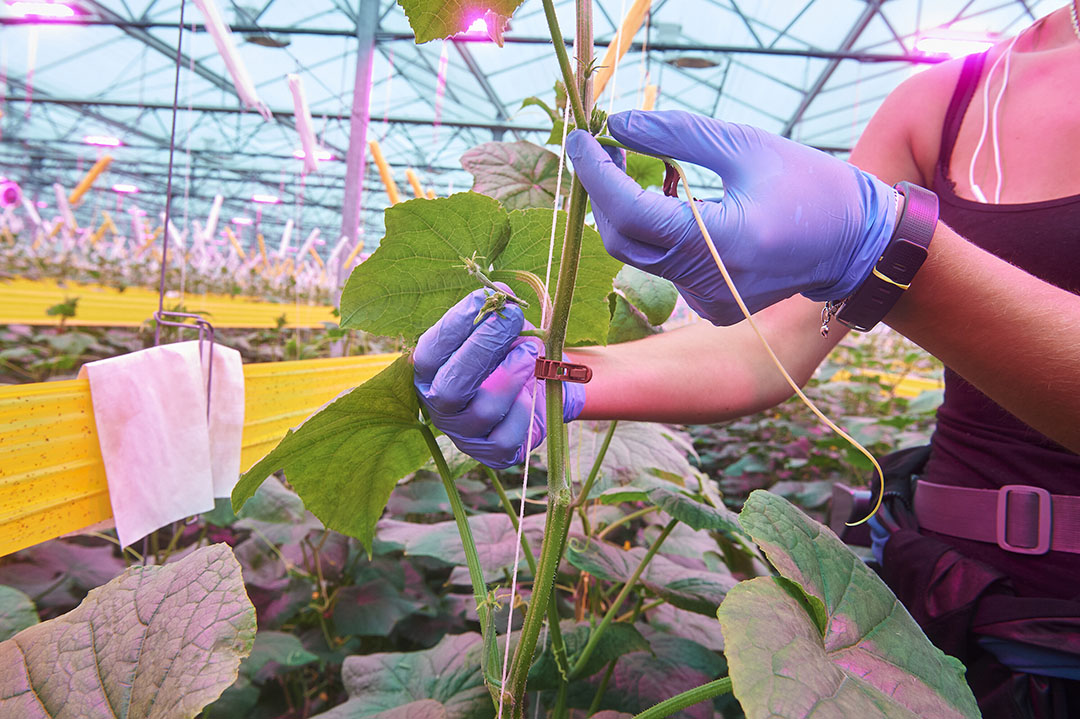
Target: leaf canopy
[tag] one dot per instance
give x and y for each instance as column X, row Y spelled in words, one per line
column 827, row 638
column 156, row 642
column 448, row 675
column 346, row 459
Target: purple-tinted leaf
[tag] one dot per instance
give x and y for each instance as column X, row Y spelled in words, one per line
column 423, row 709
column 828, row 638
column 688, row 625
column 17, row 612
column 370, row 610
column 421, row 495
column 448, row 673
column 494, row 535
column 154, row 642
column 698, row 591
column 644, row 678
column 57, row 574
column 272, row 652
column 644, row 450
column 276, row 514
column 517, row 174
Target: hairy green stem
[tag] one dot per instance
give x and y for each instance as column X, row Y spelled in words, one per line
column 594, row 706
column 472, row 557
column 594, row 638
column 626, row 518
column 688, row 698
column 597, row 462
column 573, row 97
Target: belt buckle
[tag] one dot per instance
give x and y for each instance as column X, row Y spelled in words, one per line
column 1043, row 519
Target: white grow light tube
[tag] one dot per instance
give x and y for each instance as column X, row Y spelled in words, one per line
column 226, row 47
column 303, row 122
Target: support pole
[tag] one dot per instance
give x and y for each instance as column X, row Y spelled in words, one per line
column 366, row 24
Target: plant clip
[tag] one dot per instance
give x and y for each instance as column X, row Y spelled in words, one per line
column 671, row 181
column 562, row 371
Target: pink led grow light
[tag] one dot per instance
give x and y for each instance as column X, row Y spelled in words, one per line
column 266, row 199
column 320, row 155
column 245, row 221
column 41, row 8
column 124, row 189
column 102, row 141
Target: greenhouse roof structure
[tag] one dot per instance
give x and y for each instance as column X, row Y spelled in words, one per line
column 116, row 70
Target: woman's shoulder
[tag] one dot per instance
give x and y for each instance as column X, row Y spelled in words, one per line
column 903, row 138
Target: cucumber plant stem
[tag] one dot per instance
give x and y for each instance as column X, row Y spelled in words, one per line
column 688, row 698
column 472, row 557
column 573, row 97
column 594, row 638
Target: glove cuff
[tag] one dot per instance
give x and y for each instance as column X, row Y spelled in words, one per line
column 573, row 400
column 880, row 212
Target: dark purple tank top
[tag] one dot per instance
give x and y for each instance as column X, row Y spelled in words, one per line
column 977, row 443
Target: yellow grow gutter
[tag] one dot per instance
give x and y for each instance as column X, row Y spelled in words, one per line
column 25, row 301
column 52, row 480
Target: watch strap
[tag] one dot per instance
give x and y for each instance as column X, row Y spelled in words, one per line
column 895, row 269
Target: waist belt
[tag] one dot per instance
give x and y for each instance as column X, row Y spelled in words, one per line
column 1018, row 517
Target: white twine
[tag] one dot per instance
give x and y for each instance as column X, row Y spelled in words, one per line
column 532, row 417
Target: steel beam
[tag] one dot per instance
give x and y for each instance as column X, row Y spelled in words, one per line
column 872, row 8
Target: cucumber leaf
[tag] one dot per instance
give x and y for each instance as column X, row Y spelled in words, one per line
column 417, row 273
column 346, row 459
column 517, row 174
column 827, row 637
column 434, row 19
column 157, row 641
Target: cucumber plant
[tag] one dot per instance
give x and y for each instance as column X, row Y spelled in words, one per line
column 820, row 630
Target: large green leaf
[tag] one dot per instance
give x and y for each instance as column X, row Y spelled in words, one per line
column 518, row 174
column 528, row 249
column 697, row 591
column 416, row 274
column 448, row 673
column 680, row 506
column 345, row 460
column 628, row 323
column 828, row 638
column 17, row 612
column 154, row 642
column 279, row 647
column 433, row 19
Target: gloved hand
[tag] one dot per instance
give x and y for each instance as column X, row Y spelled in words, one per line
column 476, row 381
column 792, row 220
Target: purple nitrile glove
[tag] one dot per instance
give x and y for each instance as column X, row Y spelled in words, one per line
column 793, row 219
column 476, row 381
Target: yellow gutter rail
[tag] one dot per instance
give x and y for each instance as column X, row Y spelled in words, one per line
column 24, row 302
column 52, row 480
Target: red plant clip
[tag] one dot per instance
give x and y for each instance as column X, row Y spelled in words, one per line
column 562, row 371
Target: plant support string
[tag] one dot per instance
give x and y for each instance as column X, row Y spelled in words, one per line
column 757, row 331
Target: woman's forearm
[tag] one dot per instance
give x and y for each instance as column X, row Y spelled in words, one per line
column 703, row 373
column 1008, row 333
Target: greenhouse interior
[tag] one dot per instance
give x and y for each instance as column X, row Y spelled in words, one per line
column 625, row 359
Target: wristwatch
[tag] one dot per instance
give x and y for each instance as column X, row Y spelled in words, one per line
column 894, row 270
